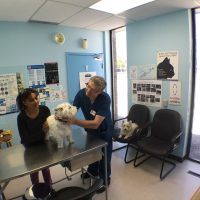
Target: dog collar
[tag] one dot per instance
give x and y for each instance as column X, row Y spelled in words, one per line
column 62, row 120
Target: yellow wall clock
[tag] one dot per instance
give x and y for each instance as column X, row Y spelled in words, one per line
column 59, row 38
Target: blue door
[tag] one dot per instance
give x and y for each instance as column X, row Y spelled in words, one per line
column 78, row 62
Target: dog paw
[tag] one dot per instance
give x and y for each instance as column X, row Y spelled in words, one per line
column 120, row 136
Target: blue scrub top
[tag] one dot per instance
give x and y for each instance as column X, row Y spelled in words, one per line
column 101, row 106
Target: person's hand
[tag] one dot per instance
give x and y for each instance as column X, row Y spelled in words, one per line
column 45, row 127
column 56, row 118
column 71, row 120
column 5, row 138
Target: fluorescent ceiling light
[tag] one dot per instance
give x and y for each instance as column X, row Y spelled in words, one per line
column 118, row 6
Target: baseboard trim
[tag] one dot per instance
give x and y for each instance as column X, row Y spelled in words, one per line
column 177, row 158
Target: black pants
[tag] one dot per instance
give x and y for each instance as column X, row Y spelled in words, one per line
column 98, row 168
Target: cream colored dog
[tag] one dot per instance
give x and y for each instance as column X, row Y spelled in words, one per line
column 128, row 128
column 58, row 128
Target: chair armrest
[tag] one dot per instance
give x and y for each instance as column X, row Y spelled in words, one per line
column 147, row 125
column 116, row 120
column 176, row 137
column 139, row 132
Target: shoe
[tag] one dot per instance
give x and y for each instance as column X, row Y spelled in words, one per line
column 52, row 193
column 23, row 197
column 101, row 189
column 108, row 182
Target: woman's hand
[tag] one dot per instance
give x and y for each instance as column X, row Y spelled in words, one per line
column 45, row 127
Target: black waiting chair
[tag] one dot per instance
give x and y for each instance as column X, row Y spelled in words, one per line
column 78, row 193
column 138, row 114
column 165, row 132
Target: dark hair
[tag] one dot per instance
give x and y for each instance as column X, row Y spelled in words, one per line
column 23, row 95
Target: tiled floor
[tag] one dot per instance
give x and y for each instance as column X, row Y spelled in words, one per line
column 129, row 183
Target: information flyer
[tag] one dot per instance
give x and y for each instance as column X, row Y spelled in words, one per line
column 36, row 76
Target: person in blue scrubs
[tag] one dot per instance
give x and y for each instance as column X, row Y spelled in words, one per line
column 95, row 105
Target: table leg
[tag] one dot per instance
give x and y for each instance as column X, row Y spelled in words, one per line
column 2, row 196
column 106, row 174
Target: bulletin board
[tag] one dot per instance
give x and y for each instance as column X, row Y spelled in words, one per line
column 147, row 92
column 8, row 93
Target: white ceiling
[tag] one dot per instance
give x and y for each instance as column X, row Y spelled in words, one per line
column 76, row 13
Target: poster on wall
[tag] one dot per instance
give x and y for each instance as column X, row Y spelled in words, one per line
column 167, row 65
column 85, row 77
column 147, row 72
column 36, row 76
column 8, row 93
column 133, row 72
column 175, row 93
column 51, row 94
column 20, row 82
column 147, row 92
column 143, row 72
column 51, row 73
column 2, row 106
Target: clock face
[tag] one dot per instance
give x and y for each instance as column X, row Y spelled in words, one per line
column 59, row 38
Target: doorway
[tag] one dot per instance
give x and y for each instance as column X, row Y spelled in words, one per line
column 194, row 152
column 82, row 63
column 119, row 73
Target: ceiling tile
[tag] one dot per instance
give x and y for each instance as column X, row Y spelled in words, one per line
column 76, row 12
column 18, row 10
column 84, row 3
column 157, row 8
column 55, row 12
column 108, row 24
column 87, row 16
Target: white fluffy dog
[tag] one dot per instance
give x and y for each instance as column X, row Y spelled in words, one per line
column 127, row 130
column 58, row 128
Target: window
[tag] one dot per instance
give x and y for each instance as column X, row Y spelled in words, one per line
column 119, row 73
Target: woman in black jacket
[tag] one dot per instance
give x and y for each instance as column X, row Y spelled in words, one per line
column 32, row 126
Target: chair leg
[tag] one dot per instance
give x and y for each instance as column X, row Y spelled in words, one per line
column 125, row 158
column 162, row 176
column 137, row 157
column 119, row 148
column 173, row 165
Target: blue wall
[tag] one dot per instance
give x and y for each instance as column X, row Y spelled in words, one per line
column 169, row 32
column 22, row 44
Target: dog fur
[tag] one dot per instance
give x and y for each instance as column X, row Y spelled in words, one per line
column 127, row 129
column 58, row 127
